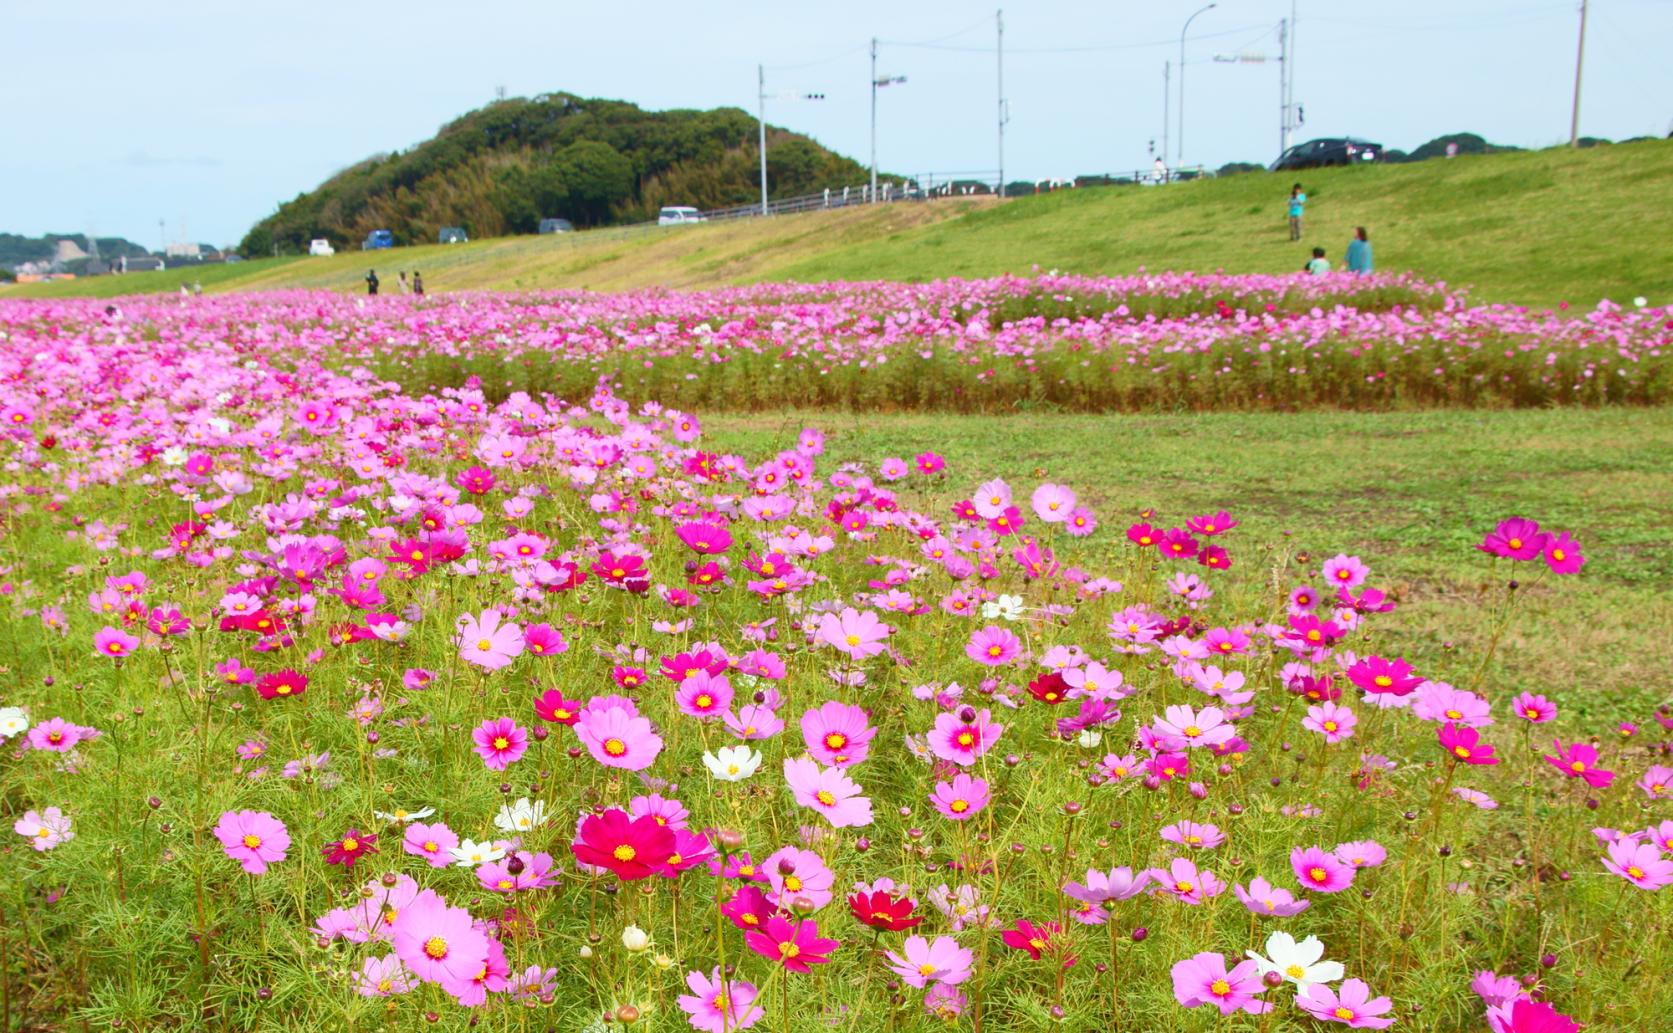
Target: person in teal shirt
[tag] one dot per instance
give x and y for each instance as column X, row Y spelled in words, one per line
column 1359, row 252
column 1298, row 206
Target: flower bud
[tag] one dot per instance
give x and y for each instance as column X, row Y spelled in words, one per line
column 635, row 939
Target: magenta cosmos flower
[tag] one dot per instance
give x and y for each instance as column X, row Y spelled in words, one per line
column 59, row 735
column 1579, row 760
column 1533, row 708
column 1203, row 979
column 1465, row 744
column 1515, row 539
column 828, row 791
column 717, row 1005
column 922, row 961
column 963, row 736
column 704, row 696
column 486, row 642
column 1321, row 871
column 499, row 742
column 793, row 946
column 1526, row 1015
column 1639, row 863
column 837, row 733
column 1562, row 555
column 961, row 799
column 857, row 633
column 440, row 944
column 1353, row 1005
column 618, row 738
column 255, row 839
column 993, row 646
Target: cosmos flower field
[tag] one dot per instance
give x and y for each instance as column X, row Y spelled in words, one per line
column 403, row 665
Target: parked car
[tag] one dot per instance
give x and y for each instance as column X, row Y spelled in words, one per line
column 377, row 240
column 452, row 235
column 678, row 215
column 556, row 226
column 321, row 247
column 1337, row 150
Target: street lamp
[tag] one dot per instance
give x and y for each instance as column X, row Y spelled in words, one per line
column 877, row 81
column 1180, row 159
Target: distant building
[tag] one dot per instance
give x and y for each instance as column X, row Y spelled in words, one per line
column 182, row 250
column 140, row 264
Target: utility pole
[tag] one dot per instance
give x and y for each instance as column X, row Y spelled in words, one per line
column 1180, row 160
column 1579, row 59
column 1283, row 85
column 999, row 24
column 761, row 99
column 1289, row 70
column 1167, row 90
column 873, row 119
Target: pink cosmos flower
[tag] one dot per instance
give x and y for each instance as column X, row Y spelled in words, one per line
column 1183, row 727
column 45, row 829
column 59, row 736
column 1344, row 571
column 1526, row 1015
column 618, row 738
column 486, row 642
column 857, row 633
column 500, row 742
column 255, row 839
column 922, row 961
column 431, row 842
column 544, row 640
column 961, row 799
column 114, row 642
column 1361, row 853
column 837, row 733
column 1319, row 871
column 1103, row 888
column 1204, row 979
column 381, row 977
column 963, row 736
column 1438, row 701
column 1639, row 863
column 440, row 944
column 1333, row 722
column 717, row 1005
column 704, row 696
column 1184, row 881
column 829, row 792
column 1579, row 760
column 793, row 873
column 1352, row 1005
column 1533, row 708
column 993, row 646
column 1657, row 782
column 1379, row 676
column 1194, row 835
column 1053, row 503
column 1211, row 524
column 1263, row 898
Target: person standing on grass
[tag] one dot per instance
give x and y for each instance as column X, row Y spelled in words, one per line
column 406, row 288
column 418, row 283
column 1298, row 207
column 1359, row 253
column 372, row 282
column 1320, row 265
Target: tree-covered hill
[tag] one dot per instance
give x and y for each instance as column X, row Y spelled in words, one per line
column 503, row 168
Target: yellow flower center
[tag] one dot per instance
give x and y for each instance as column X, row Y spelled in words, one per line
column 824, row 797
column 1330, row 726
column 1635, row 871
column 788, row 950
column 483, row 644
column 959, row 806
column 1295, row 971
column 350, row 845
column 435, row 947
column 792, row 883
column 624, row 853
column 252, row 841
column 966, row 739
column 1343, row 1013
column 1220, row 988
column 1192, row 732
column 1184, row 887
column 501, row 743
column 615, row 747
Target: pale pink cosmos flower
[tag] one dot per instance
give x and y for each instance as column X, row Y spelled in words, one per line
column 717, row 1005
column 1183, row 880
column 1639, row 863
column 857, row 633
column 1352, row 1005
column 483, row 640
column 430, row 842
column 1204, row 979
column 440, row 944
column 45, row 829
column 381, row 977
column 960, row 799
column 922, row 961
column 1263, row 898
column 618, row 738
column 993, row 646
column 1330, row 720
column 991, row 499
column 1053, row 503
column 1182, row 726
column 255, row 839
column 829, row 792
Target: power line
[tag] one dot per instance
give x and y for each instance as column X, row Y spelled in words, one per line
column 1097, row 48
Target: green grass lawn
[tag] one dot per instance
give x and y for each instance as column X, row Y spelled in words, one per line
column 1410, row 492
column 1535, row 227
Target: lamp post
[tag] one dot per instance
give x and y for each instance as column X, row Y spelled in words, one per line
column 1179, row 160
column 877, row 82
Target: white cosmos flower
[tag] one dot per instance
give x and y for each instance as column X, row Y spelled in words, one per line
column 1298, row 963
column 174, row 455
column 13, row 721
column 1006, row 607
column 521, row 816
column 1641, row 301
column 732, row 763
column 470, row 853
column 403, row 815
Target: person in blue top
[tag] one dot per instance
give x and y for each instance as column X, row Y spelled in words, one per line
column 1319, row 266
column 1298, row 205
column 1359, row 252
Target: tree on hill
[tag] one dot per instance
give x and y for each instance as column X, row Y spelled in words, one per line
column 505, row 167
column 1468, row 143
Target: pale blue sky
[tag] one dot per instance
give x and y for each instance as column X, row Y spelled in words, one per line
column 116, row 115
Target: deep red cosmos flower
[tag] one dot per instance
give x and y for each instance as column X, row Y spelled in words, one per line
column 881, row 911
column 632, row 848
column 349, row 849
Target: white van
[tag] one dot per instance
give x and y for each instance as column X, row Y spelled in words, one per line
column 678, row 215
column 321, row 247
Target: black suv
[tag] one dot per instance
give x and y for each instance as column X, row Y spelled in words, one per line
column 1341, row 150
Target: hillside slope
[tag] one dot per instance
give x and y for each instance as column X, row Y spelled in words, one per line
column 503, row 168
column 1532, row 227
